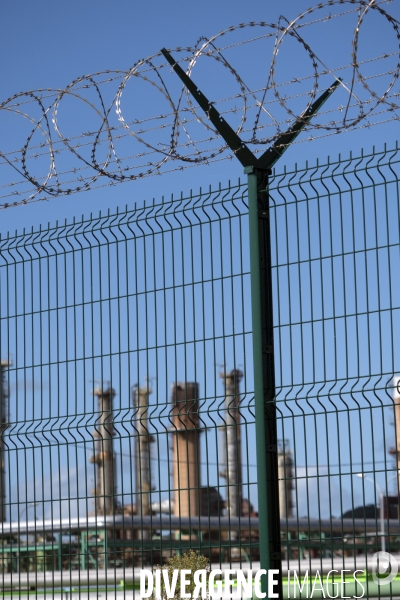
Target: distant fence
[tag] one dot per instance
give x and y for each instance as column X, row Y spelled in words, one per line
column 128, row 395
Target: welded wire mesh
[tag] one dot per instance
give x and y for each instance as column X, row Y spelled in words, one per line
column 336, row 263
column 129, row 388
column 127, row 424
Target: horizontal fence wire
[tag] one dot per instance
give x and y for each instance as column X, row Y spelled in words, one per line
column 127, row 405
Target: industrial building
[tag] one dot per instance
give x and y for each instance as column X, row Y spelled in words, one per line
column 114, row 535
column 117, row 536
column 104, row 545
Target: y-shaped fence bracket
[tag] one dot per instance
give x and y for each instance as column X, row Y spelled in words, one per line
column 258, row 171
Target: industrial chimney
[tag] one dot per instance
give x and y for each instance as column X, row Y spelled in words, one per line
column 103, row 457
column 4, row 364
column 396, row 451
column 186, row 447
column 232, row 442
column 285, row 476
column 142, row 454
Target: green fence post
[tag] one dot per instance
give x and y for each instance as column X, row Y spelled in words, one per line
column 264, row 374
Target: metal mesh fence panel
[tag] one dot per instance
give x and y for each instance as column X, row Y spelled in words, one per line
column 127, row 404
column 336, row 306
column 129, row 432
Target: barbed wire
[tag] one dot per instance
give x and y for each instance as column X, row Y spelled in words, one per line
column 111, row 146
column 137, row 122
column 208, row 139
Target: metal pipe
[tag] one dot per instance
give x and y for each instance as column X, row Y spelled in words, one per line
column 142, row 454
column 197, row 523
column 105, row 488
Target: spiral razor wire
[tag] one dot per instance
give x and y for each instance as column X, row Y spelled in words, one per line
column 131, row 138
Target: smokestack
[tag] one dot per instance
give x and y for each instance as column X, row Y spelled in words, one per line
column 103, row 457
column 142, row 454
column 285, row 476
column 233, row 448
column 4, row 364
column 396, row 451
column 186, row 446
